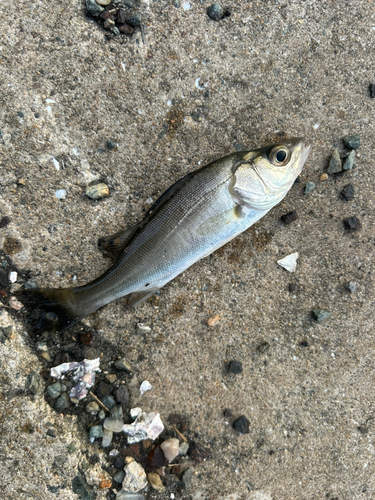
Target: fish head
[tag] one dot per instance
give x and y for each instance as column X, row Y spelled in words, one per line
column 262, row 177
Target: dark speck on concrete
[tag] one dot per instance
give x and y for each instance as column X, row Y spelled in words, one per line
column 363, row 429
column 347, row 192
column 110, row 144
column 351, row 286
column 235, row 367
column 372, row 90
column 197, row 452
column 263, row 347
column 292, row 287
column 289, row 217
column 21, row 114
column 242, row 425
column 304, row 343
column 227, row 413
column 4, row 221
column 352, row 224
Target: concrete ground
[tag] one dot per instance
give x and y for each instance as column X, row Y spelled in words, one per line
column 187, row 92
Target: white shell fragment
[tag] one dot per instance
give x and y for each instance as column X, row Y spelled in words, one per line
column 145, row 386
column 289, row 262
column 83, row 373
column 146, row 426
column 171, row 448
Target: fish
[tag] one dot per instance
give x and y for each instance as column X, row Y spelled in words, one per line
column 198, row 214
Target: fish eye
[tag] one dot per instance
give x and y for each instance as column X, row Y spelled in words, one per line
column 279, row 156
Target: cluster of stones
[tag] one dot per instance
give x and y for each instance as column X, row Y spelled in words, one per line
column 109, row 15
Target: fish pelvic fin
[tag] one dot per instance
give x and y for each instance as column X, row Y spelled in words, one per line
column 51, row 309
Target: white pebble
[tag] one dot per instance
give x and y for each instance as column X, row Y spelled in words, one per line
column 60, row 194
column 145, row 386
column 171, row 448
column 13, row 277
column 107, row 438
column 289, row 262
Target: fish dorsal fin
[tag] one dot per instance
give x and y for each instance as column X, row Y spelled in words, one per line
column 112, row 246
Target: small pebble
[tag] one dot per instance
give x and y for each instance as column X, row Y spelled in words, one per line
column 235, row 367
column 107, row 438
column 352, row 141
column 133, row 21
column 31, row 284
column 4, row 221
column 103, row 2
column 371, row 90
column 320, row 315
column 145, row 386
column 119, row 476
column 108, row 401
column 108, row 23
column 348, row 192
column 352, row 224
column 92, row 407
column 213, row 320
column 227, row 413
column 62, row 402
column 122, row 395
column 197, row 452
column 323, row 177
column 289, row 217
column 111, row 378
column 242, row 425
column 187, row 477
column 309, row 187
column 15, row 304
column 13, row 277
column 92, row 8
column 156, row 482
column 105, row 484
column 54, row 390
column 34, row 383
column 113, row 424
column 110, row 144
column 126, row 29
column 351, row 286
column 96, row 431
column 117, row 413
column 119, row 462
column 349, row 161
column 97, row 192
column 292, row 287
column 170, row 448
column 143, row 329
column 263, row 347
column 124, row 365
column 135, row 477
column 121, row 16
column 335, row 165
column 60, row 194
column 215, row 12
column 184, row 447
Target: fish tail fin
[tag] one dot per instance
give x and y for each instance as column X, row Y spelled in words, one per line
column 52, row 309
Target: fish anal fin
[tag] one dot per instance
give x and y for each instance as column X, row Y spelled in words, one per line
column 137, row 298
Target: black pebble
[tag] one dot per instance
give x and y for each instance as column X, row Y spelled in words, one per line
column 51, row 433
column 227, row 413
column 289, row 217
column 20, row 114
column 122, row 395
column 110, row 144
column 103, row 389
column 371, row 90
column 292, row 287
column 133, row 21
column 304, row 343
column 235, row 367
column 215, row 12
column 121, row 16
column 352, row 224
column 348, row 192
column 242, row 425
column 119, row 462
column 4, row 221
column 3, row 278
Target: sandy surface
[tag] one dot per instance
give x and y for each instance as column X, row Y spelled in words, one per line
column 194, row 90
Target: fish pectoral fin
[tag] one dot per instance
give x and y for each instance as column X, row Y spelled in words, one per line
column 112, row 246
column 137, row 298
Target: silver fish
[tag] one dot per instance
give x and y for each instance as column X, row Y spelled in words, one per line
column 197, row 215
